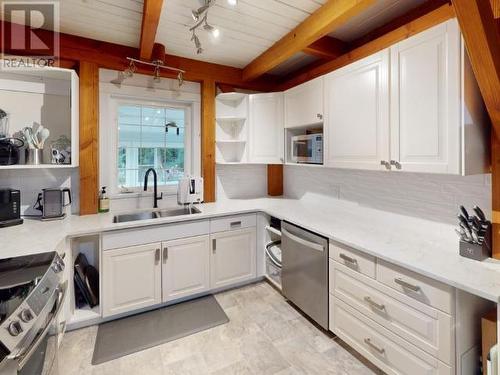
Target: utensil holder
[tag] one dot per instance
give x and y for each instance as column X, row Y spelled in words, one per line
column 477, row 251
column 34, row 156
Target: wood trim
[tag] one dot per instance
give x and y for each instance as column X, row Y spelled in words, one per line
column 435, row 17
column 275, row 180
column 495, row 194
column 208, row 139
column 150, row 20
column 326, row 48
column 89, row 138
column 329, row 17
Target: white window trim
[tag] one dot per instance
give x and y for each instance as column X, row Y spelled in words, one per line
column 110, row 99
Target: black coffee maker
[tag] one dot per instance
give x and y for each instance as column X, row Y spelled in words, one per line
column 10, row 150
column 10, row 207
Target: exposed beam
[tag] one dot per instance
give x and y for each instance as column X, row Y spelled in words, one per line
column 89, row 137
column 416, row 26
column 113, row 56
column 326, row 48
column 208, row 139
column 150, row 20
column 329, row 17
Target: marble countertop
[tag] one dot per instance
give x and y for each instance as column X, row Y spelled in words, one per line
column 423, row 246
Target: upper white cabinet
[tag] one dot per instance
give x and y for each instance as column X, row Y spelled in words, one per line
column 357, row 114
column 186, row 267
column 304, row 104
column 425, row 101
column 266, row 128
column 131, row 278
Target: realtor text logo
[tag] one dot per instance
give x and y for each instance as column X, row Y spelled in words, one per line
column 30, row 37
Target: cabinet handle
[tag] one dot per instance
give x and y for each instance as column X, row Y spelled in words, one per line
column 397, row 164
column 386, row 164
column 407, row 285
column 157, row 256
column 214, row 245
column 165, row 254
column 320, row 116
column 348, row 259
column 235, row 224
column 374, row 304
column 369, row 342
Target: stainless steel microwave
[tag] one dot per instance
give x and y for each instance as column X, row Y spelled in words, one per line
column 307, row 149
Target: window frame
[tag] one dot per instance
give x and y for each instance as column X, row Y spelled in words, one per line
column 119, row 100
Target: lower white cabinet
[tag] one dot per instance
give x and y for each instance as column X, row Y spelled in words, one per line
column 131, row 278
column 233, row 257
column 186, row 267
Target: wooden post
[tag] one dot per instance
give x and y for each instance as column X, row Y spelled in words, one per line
column 275, row 180
column 208, row 138
column 89, row 137
column 495, row 191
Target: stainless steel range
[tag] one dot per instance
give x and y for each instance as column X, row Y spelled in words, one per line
column 31, row 296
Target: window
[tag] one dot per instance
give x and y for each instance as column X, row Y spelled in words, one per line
column 151, row 136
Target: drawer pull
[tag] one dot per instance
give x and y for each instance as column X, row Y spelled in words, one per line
column 157, row 256
column 235, row 224
column 375, row 304
column 373, row 346
column 404, row 284
column 348, row 259
column 165, row 254
column 214, row 245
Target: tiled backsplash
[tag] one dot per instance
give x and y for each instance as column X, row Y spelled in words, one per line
column 31, row 182
column 241, row 181
column 429, row 196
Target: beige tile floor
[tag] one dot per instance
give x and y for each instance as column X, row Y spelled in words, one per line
column 265, row 335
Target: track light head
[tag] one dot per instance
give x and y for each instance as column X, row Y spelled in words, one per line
column 233, row 3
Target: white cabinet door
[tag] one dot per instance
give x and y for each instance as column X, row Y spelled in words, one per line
column 131, row 278
column 266, row 128
column 75, row 118
column 357, row 114
column 304, row 104
column 233, row 257
column 186, row 267
column 425, row 101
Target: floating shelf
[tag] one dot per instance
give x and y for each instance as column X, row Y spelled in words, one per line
column 231, row 120
column 40, row 166
column 232, row 98
column 231, row 141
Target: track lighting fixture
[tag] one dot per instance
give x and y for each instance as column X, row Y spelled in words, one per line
column 157, row 65
column 200, row 16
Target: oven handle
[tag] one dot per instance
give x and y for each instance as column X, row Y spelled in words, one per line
column 61, row 295
column 303, row 242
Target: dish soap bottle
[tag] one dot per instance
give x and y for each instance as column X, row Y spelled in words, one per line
column 103, row 200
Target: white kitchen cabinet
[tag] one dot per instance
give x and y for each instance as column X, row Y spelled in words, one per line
column 266, row 128
column 233, row 257
column 186, row 267
column 131, row 278
column 425, row 101
column 304, row 104
column 357, row 114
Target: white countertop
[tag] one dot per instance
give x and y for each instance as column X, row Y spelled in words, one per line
column 426, row 247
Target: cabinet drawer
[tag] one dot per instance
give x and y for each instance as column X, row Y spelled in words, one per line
column 423, row 326
column 421, row 288
column 224, row 224
column 354, row 259
column 386, row 350
column 140, row 236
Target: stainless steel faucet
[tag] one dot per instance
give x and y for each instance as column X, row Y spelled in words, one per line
column 156, row 198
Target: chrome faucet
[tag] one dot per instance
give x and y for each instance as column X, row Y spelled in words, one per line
column 156, row 198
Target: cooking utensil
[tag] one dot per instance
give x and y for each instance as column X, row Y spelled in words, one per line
column 464, row 212
column 467, row 232
column 44, row 134
column 480, row 214
column 464, row 221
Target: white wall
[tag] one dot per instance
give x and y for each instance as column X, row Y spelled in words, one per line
column 241, row 181
column 430, row 196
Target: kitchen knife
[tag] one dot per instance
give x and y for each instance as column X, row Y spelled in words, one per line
column 476, row 224
column 464, row 221
column 464, row 212
column 461, row 233
column 467, row 232
column 480, row 214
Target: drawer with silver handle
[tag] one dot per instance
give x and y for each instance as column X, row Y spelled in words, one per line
column 384, row 349
column 353, row 259
column 423, row 326
column 228, row 223
column 421, row 288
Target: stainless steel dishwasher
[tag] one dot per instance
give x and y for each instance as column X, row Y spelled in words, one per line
column 305, row 271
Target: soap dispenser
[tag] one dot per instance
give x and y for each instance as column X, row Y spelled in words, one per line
column 103, row 200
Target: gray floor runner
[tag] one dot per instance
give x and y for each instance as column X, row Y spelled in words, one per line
column 132, row 334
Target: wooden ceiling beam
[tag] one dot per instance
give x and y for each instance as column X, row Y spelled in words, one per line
column 435, row 17
column 150, row 20
column 329, row 17
column 326, row 48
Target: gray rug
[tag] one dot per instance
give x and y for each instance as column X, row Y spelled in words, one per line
column 133, row 334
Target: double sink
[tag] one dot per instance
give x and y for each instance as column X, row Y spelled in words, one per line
column 148, row 215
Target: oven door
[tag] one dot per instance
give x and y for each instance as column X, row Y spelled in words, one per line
column 41, row 356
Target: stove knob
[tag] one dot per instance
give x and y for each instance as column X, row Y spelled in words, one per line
column 15, row 328
column 26, row 315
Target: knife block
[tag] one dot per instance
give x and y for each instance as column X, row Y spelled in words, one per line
column 476, row 251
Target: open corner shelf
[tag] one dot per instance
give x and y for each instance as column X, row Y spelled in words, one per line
column 230, row 141
column 232, row 98
column 232, row 120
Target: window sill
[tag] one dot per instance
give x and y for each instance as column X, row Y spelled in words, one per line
column 136, row 194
